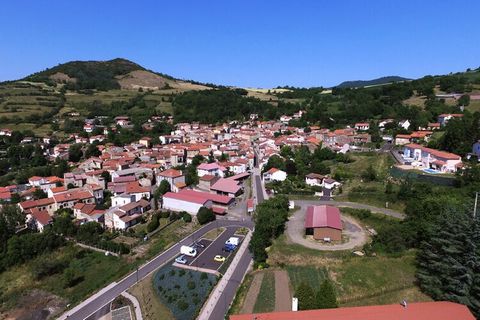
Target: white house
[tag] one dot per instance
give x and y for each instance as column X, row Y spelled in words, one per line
column 213, row 169
column 329, row 183
column 431, row 158
column 362, row 126
column 405, row 124
column 444, row 118
column 314, row 179
column 274, row 174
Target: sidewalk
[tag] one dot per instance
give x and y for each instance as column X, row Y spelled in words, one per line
column 216, row 295
column 136, row 304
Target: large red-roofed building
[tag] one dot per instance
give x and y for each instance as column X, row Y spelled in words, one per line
column 323, row 222
column 439, row 310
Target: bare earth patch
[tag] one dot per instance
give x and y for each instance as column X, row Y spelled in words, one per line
column 36, row 305
column 283, row 297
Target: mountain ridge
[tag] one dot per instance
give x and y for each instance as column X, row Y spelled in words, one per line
column 372, row 82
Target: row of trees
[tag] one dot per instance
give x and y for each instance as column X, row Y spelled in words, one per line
column 324, row 298
column 270, row 218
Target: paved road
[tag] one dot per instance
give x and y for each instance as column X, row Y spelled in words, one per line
column 259, row 191
column 99, row 300
column 220, row 310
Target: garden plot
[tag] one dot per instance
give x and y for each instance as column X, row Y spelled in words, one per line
column 183, row 291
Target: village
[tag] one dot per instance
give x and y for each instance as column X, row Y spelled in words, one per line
column 117, row 187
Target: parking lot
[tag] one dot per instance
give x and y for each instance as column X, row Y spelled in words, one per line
column 205, row 255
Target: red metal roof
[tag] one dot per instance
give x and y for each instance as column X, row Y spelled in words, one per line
column 323, row 216
column 185, row 197
column 439, row 310
column 226, row 185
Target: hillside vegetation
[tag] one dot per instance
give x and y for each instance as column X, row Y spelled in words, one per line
column 374, row 82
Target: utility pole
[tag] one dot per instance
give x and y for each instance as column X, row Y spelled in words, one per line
column 475, row 206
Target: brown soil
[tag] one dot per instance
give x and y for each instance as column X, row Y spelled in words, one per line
column 283, row 298
column 36, row 305
column 252, row 294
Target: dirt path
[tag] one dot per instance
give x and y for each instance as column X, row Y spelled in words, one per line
column 283, row 299
column 252, row 294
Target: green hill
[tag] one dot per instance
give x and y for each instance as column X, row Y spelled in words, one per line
column 80, row 75
column 374, row 82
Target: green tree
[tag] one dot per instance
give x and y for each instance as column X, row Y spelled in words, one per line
column 163, row 188
column 205, row 215
column 10, row 219
column 306, row 297
column 464, row 100
column 75, row 152
column 326, row 297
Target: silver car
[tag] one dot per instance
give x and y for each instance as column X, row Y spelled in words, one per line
column 181, row 259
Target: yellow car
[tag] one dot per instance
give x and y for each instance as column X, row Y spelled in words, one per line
column 219, row 258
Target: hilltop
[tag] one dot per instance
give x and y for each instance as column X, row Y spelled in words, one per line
column 374, row 82
column 106, row 75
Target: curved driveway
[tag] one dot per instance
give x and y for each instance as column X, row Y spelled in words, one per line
column 106, row 295
column 295, row 225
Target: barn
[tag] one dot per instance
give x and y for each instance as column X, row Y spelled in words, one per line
column 323, row 222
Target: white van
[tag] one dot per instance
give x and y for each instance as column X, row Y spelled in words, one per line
column 188, row 251
column 232, row 241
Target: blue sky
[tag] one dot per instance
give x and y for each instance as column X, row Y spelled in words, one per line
column 246, row 43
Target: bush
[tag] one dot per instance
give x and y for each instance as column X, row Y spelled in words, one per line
column 182, row 305
column 164, row 214
column 173, row 216
column 191, row 285
column 205, row 215
column 44, row 267
column 153, row 224
column 187, row 218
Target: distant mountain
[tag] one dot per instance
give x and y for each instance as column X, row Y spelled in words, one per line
column 106, row 75
column 374, row 82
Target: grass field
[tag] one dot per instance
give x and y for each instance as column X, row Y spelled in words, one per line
column 358, row 280
column 96, row 269
column 266, row 296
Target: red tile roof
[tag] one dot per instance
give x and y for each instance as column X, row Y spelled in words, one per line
column 435, row 152
column 36, row 203
column 323, row 216
column 185, row 197
column 438, row 310
column 170, row 173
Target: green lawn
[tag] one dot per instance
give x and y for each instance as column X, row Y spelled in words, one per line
column 358, row 280
column 96, row 269
column 266, row 296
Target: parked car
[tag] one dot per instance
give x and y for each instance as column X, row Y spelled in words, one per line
column 219, row 258
column 181, row 259
column 189, row 251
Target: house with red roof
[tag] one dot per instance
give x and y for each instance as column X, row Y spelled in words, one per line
column 227, row 187
column 434, row 310
column 38, row 219
column 213, row 169
column 88, row 212
column 128, row 215
column 431, row 158
column 46, row 204
column 323, row 222
column 274, row 174
column 175, row 178
column 69, row 198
